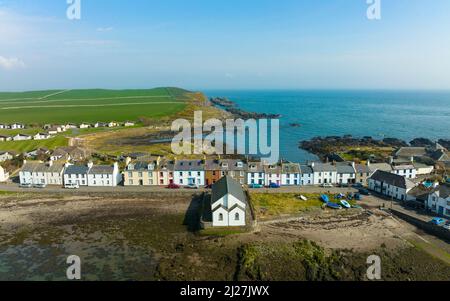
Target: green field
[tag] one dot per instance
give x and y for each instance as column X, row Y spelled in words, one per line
column 77, row 106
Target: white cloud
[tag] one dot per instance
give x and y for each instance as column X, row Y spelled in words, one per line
column 11, row 63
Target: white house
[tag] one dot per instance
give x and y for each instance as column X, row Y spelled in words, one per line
column 439, row 200
column 5, row 156
column 85, row 126
column 5, row 138
column 41, row 136
column 423, row 169
column 290, row 174
column 77, row 174
column 406, row 170
column 22, row 137
column 104, row 175
column 129, row 123
column 3, row 175
column 3, row 126
column 189, row 172
column 16, row 126
column 345, row 173
column 255, row 173
column 324, row 173
column 112, row 124
column 272, row 174
column 391, row 185
column 49, row 173
column 306, row 175
column 228, row 203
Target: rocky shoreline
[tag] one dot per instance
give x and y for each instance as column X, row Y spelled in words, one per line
column 231, row 107
column 324, row 146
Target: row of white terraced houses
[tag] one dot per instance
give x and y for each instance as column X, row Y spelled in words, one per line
column 157, row 171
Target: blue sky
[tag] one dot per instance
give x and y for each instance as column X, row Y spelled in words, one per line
column 225, row 44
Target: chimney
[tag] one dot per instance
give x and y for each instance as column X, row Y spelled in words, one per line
column 90, row 164
column 412, row 159
column 313, row 164
column 353, row 164
column 127, row 160
column 391, row 160
column 50, row 163
column 368, row 163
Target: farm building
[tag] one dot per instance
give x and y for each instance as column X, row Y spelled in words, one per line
column 22, row 137
column 42, row 136
column 228, row 203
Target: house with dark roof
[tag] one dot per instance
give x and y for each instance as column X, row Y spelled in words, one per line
column 345, row 173
column 290, row 174
column 218, row 168
column 228, row 203
column 255, row 173
column 306, row 175
column 362, row 173
column 272, row 174
column 104, row 175
column 76, row 174
column 391, row 185
column 36, row 172
column 439, row 200
column 141, row 172
column 189, row 172
column 324, row 173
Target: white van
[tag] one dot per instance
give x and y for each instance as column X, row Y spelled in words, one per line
column 71, row 186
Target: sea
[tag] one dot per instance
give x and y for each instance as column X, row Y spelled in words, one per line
column 380, row 114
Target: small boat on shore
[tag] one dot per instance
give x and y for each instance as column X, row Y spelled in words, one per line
column 325, row 198
column 334, row 205
column 303, row 198
column 345, row 204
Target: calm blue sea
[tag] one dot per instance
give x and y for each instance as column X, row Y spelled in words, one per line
column 397, row 114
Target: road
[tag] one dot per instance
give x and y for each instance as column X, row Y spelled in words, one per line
column 13, row 187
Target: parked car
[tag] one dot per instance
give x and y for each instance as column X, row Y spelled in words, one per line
column 357, row 185
column 192, row 186
column 71, row 186
column 255, row 186
column 438, row 221
column 274, row 186
column 447, row 226
column 326, row 185
column 173, row 186
column 25, row 185
column 41, row 186
column 364, row 191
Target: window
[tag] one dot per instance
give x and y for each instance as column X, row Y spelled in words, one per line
column 236, row 217
column 130, row 181
column 140, row 174
column 220, row 217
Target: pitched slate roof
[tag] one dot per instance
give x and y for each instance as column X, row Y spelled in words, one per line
column 189, row 165
column 411, row 152
column 258, row 167
column 444, row 190
column 227, row 185
column 324, row 167
column 306, row 169
column 345, row 168
column 101, row 170
column 392, row 179
column 76, row 170
column 290, row 168
column 380, row 166
column 362, row 168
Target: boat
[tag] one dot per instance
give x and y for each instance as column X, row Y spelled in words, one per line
column 334, row 205
column 303, row 198
column 345, row 204
column 325, row 198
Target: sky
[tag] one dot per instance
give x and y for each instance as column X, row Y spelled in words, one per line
column 225, row 44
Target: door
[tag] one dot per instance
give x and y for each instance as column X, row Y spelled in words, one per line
column 441, row 210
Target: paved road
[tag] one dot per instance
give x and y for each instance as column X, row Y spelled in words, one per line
column 133, row 189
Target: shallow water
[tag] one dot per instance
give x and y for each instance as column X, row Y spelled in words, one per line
column 380, row 114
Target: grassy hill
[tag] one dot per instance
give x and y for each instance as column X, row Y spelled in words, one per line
column 77, row 106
